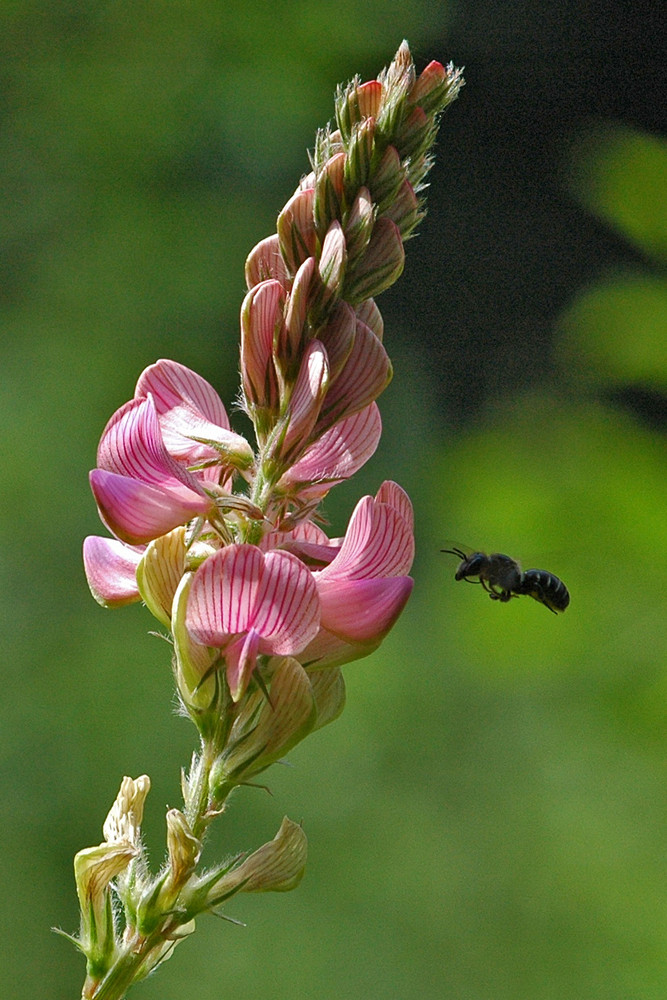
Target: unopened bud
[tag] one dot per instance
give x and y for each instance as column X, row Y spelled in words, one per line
column 329, row 193
column 359, row 225
column 296, row 230
column 380, row 265
column 276, row 867
column 265, row 731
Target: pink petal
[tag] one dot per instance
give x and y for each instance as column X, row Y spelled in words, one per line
column 223, row 594
column 132, row 446
column 341, row 450
column 187, row 407
column 172, row 384
column 111, row 571
column 287, row 609
column 363, row 610
column 241, row 659
column 367, row 372
column 378, row 542
column 394, row 495
column 138, row 512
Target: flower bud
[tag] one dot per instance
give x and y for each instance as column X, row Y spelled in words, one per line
column 296, row 313
column 359, row 225
column 329, row 194
column 405, row 210
column 184, row 851
column 265, row 730
column 265, row 262
column 380, row 265
column 355, row 103
column 276, row 867
column 436, row 87
column 359, row 156
column 296, row 229
column 261, row 316
column 332, row 263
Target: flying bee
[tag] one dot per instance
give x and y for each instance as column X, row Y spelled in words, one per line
column 503, row 579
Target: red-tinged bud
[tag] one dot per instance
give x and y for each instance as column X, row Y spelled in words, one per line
column 436, row 87
column 332, row 263
column 369, row 314
column 405, row 210
column 380, row 266
column 296, row 314
column 359, row 157
column 296, row 231
column 359, row 225
column 329, row 193
column 261, row 318
column 264, row 262
column 356, row 102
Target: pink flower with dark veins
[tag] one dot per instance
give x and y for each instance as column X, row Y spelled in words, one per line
column 365, row 586
column 246, row 603
column 144, row 484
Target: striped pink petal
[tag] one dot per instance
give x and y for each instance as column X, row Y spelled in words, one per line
column 172, row 384
column 287, row 610
column 188, row 407
column 394, row 495
column 378, row 542
column 223, row 594
column 367, row 372
column 340, row 452
column 361, row 611
column 309, row 391
column 240, row 588
column 132, row 445
column 111, row 571
column 138, row 512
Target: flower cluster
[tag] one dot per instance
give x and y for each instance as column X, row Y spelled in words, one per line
column 223, row 540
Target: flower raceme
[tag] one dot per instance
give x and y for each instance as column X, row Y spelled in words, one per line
column 245, row 576
column 223, row 540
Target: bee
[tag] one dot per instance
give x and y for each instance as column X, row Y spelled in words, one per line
column 503, row 579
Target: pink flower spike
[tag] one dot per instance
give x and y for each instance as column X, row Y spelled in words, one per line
column 111, row 571
column 240, row 590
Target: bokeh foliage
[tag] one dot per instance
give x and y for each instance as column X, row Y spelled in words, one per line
column 487, row 819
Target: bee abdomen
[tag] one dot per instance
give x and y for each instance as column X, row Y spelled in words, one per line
column 545, row 588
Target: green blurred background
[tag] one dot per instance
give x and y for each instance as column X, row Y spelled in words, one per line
column 488, row 818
